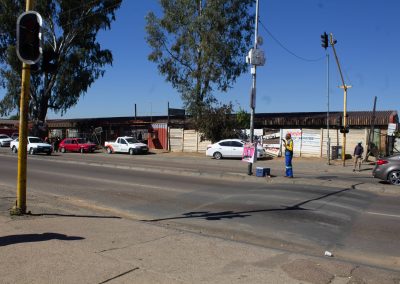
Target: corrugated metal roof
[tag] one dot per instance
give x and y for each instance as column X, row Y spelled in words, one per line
column 318, row 119
column 262, row 120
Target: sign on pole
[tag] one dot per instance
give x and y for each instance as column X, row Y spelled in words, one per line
column 249, row 153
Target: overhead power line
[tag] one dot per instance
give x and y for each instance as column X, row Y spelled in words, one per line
column 287, row 49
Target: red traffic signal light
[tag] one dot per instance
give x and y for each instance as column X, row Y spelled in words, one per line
column 29, row 37
column 324, row 40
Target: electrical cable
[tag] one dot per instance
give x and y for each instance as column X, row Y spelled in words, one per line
column 287, row 50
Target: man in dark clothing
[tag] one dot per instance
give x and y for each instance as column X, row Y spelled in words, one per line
column 358, row 151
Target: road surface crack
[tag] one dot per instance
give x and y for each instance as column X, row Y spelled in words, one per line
column 119, row 275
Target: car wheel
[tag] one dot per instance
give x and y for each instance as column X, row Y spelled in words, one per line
column 109, row 151
column 49, row 153
column 394, row 177
column 31, row 151
column 14, row 149
column 131, row 151
column 217, row 155
column 62, row 150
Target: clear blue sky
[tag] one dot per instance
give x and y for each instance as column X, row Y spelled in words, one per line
column 368, row 38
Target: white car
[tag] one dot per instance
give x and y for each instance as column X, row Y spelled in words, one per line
column 126, row 144
column 231, row 148
column 5, row 140
column 35, row 145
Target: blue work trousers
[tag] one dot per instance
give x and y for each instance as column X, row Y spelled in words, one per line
column 288, row 164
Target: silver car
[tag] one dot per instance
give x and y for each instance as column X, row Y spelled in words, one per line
column 388, row 169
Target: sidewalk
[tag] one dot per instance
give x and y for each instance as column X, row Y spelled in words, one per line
column 64, row 243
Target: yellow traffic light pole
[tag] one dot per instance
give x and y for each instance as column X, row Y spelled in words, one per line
column 20, row 206
column 344, row 87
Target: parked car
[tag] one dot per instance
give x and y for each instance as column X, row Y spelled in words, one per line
column 388, row 169
column 76, row 145
column 231, row 148
column 126, row 144
column 5, row 140
column 35, row 145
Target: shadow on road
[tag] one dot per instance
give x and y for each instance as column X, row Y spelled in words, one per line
column 242, row 214
column 73, row 215
column 29, row 238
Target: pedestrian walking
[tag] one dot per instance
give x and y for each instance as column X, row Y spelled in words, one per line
column 57, row 144
column 358, row 151
column 288, row 144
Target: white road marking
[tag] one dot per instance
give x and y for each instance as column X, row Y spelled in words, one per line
column 383, row 214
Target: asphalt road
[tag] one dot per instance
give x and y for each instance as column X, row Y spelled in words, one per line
column 354, row 225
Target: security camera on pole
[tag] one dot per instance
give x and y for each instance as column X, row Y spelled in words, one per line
column 255, row 58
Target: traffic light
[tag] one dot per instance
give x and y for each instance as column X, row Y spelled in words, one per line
column 338, row 121
column 29, row 37
column 324, row 40
column 344, row 129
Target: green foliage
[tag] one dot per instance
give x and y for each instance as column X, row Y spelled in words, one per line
column 70, row 29
column 243, row 119
column 200, row 46
column 14, row 117
column 217, row 122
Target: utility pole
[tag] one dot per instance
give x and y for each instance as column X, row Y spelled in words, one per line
column 327, row 113
column 20, row 206
column 371, row 131
column 253, row 90
column 344, row 87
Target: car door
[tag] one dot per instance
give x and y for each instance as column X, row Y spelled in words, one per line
column 237, row 149
column 225, row 148
column 124, row 146
column 74, row 146
column 67, row 145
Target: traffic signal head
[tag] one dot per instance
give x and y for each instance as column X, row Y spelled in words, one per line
column 339, row 121
column 324, row 40
column 344, row 129
column 29, row 37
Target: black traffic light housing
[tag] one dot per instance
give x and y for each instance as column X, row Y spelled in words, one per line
column 344, row 129
column 324, row 40
column 338, row 122
column 29, row 37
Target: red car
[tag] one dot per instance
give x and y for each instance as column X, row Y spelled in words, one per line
column 76, row 145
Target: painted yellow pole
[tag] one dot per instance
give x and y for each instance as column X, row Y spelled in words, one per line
column 345, row 87
column 20, row 207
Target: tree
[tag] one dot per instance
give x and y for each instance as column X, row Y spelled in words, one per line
column 70, row 31
column 243, row 119
column 218, row 123
column 200, row 47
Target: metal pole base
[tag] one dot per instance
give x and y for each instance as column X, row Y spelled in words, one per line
column 250, row 169
column 15, row 211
